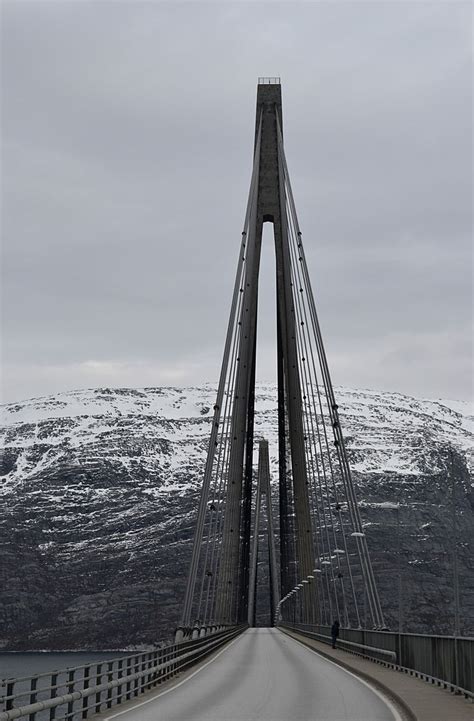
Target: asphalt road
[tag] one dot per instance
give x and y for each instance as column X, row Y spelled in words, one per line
column 264, row 675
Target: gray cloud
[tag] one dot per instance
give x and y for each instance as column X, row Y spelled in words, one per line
column 127, row 136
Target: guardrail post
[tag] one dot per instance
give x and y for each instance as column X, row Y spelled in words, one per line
column 152, row 665
column 53, row 686
column 10, row 692
column 98, row 681
column 33, row 695
column 70, row 689
column 128, row 686
column 110, row 677
column 163, row 661
column 119, row 676
column 136, row 685
column 85, row 700
column 456, row 666
column 174, row 666
column 154, row 662
column 149, row 674
column 158, row 673
column 142, row 669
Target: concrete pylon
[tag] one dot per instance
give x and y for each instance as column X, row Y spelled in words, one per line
column 270, row 207
column 263, row 490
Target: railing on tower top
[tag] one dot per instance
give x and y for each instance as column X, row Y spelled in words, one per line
column 269, row 81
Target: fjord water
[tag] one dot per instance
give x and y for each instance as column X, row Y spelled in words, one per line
column 16, row 665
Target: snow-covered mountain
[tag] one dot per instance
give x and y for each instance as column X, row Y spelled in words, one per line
column 99, row 490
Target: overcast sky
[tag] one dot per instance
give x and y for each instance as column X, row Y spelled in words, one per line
column 127, row 141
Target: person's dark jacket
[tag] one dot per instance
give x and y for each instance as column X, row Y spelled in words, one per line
column 335, row 629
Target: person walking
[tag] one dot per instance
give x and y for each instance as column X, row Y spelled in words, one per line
column 334, row 633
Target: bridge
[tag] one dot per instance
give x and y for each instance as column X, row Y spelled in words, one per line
column 327, row 653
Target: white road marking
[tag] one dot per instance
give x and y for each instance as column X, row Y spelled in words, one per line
column 382, row 697
column 163, row 693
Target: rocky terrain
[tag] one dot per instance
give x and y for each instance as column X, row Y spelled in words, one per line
column 99, row 491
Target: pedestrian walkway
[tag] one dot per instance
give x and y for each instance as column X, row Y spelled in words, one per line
column 425, row 702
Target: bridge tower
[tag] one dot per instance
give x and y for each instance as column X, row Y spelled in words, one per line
column 218, row 582
column 268, row 208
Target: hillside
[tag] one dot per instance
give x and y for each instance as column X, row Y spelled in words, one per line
column 99, row 491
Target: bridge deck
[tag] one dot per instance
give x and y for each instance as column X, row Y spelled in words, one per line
column 264, row 675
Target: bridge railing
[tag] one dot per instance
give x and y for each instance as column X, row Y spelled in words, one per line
column 445, row 660
column 81, row 691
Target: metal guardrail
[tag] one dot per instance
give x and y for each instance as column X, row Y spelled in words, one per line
column 445, row 660
column 90, row 688
column 378, row 653
column 269, row 81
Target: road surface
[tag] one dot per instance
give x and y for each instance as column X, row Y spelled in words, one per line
column 264, row 675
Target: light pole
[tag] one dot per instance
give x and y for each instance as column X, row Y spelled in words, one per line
column 360, row 534
column 454, row 551
column 322, row 607
column 455, row 568
column 399, row 575
column 391, row 506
